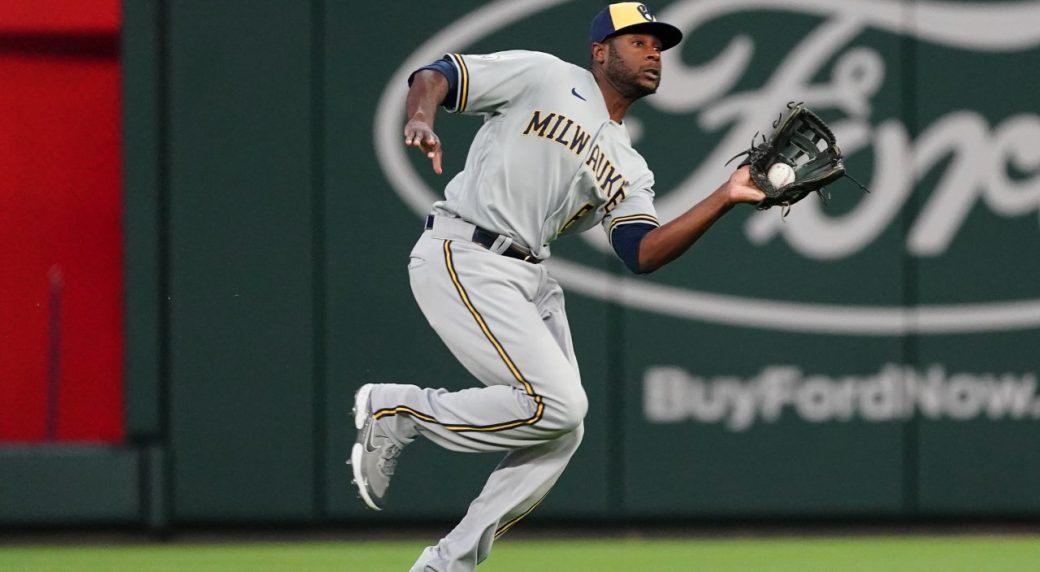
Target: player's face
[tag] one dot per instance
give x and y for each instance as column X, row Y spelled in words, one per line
column 634, row 64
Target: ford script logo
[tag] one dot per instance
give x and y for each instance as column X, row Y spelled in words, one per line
column 994, row 166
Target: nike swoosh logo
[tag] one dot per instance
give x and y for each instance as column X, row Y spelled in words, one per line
column 574, row 92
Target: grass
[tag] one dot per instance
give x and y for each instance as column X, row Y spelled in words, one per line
column 887, row 554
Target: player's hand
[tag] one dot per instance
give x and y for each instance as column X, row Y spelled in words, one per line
column 418, row 133
column 742, row 189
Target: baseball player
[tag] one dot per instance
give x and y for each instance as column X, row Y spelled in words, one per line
column 552, row 158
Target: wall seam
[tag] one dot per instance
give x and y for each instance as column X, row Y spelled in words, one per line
column 163, row 229
column 319, row 420
column 910, row 346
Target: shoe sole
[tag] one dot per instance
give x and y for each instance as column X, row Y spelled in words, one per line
column 360, row 414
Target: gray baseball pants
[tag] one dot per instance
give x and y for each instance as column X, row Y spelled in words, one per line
column 504, row 320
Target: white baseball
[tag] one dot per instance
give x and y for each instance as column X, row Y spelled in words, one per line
column 780, row 174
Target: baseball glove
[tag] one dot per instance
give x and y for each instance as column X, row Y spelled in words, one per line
column 802, row 141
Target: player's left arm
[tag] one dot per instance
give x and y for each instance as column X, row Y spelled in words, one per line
column 669, row 241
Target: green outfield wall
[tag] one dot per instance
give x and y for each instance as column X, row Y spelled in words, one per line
column 876, row 356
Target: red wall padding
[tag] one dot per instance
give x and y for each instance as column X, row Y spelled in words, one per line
column 82, row 16
column 60, row 220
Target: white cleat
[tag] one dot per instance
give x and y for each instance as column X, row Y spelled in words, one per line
column 374, row 456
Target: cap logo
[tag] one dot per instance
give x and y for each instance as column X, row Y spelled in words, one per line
column 645, row 13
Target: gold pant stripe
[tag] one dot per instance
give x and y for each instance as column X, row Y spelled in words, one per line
column 505, row 527
column 430, row 419
column 490, row 336
column 480, row 320
column 498, row 348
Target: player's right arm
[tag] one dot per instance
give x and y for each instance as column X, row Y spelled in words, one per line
column 427, row 91
column 472, row 84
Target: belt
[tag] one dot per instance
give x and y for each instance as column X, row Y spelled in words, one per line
column 489, row 240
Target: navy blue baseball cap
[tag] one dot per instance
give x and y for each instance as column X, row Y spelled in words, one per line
column 632, row 18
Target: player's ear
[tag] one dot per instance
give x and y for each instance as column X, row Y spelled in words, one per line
column 599, row 52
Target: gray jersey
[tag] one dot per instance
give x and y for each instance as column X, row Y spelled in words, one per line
column 548, row 160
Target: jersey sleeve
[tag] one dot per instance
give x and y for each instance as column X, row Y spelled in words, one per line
column 445, row 67
column 636, row 208
column 488, row 83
